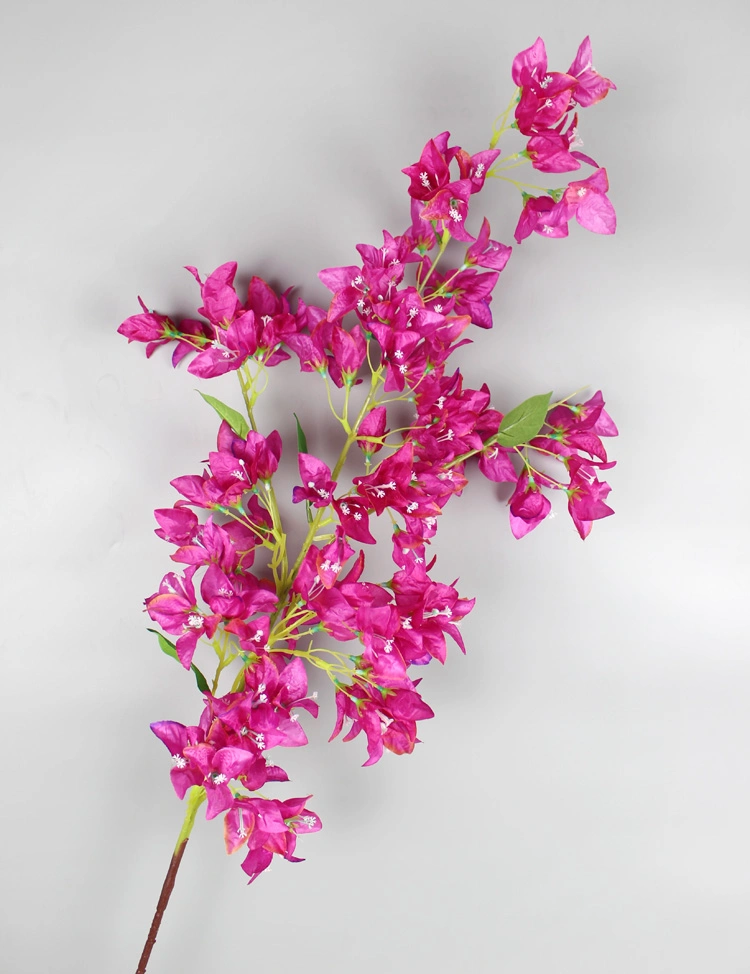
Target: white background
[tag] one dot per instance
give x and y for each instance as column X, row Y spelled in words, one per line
column 580, row 802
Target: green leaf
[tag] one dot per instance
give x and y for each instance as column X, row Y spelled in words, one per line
column 236, row 420
column 171, row 650
column 524, row 422
column 301, row 438
column 302, row 448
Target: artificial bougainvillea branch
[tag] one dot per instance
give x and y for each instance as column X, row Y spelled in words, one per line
column 248, row 615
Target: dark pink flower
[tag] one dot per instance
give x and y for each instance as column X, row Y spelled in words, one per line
column 488, row 253
column 432, row 172
column 219, row 767
column 549, row 151
column 545, row 95
column 591, row 87
column 174, row 608
column 540, row 214
column 176, row 737
column 588, row 202
column 220, row 302
column 528, row 506
column 268, row 827
column 373, row 425
column 586, row 495
column 317, row 487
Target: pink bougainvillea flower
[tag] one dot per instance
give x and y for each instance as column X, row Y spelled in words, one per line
column 317, row 486
column 220, row 302
column 376, row 712
column 177, row 524
column 372, row 426
column 488, row 253
column 220, row 767
column 421, row 232
column 495, row 463
column 541, row 215
column 312, row 349
column 229, row 349
column 428, row 610
column 549, row 151
column 268, row 827
column 390, row 485
column 590, row 86
column 586, row 495
column 450, row 207
column 174, row 608
column 432, row 172
column 155, row 329
column 588, row 202
column 219, row 593
column 176, row 737
column 245, row 460
column 348, row 287
column 331, row 559
column 528, row 506
column 349, row 351
column 353, row 514
column 474, row 168
column 545, row 95
column 577, row 427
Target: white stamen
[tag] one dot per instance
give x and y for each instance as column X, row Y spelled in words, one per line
column 179, row 761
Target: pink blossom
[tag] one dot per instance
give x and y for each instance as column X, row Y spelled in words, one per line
column 540, row 214
column 586, row 495
column 591, row 87
column 588, row 202
column 545, row 95
column 317, row 487
column 488, row 253
column 528, row 506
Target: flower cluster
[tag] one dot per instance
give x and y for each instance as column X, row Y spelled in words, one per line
column 394, row 319
column 546, row 113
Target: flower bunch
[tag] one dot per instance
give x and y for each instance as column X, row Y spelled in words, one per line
column 395, row 317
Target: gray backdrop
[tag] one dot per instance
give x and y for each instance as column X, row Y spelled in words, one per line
column 580, row 803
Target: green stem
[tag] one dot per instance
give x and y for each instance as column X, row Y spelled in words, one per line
column 444, row 240
column 496, row 133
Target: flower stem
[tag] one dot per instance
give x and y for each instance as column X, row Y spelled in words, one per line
column 196, row 797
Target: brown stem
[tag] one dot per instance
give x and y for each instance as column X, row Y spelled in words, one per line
column 195, row 798
column 166, row 892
